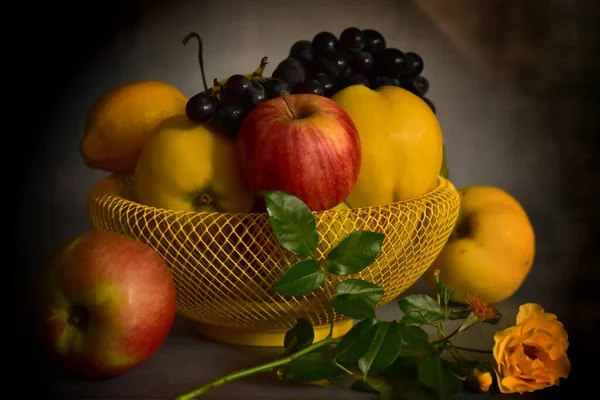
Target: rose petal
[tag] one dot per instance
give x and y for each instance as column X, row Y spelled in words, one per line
column 527, row 310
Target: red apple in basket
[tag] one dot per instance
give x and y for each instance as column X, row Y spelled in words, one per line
column 303, row 144
column 107, row 303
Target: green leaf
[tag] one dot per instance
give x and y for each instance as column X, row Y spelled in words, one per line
column 438, row 374
column 459, row 314
column 421, row 308
column 301, row 278
column 405, row 367
column 415, row 342
column 377, row 385
column 356, row 298
column 383, row 349
column 469, row 322
column 494, row 321
column 292, row 223
column 443, row 291
column 300, row 336
column 355, row 252
column 412, row 389
column 312, row 367
column 356, row 342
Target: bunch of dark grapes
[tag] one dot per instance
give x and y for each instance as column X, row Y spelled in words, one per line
column 330, row 63
column 227, row 104
column 322, row 66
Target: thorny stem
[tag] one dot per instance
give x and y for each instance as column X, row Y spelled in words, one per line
column 450, row 336
column 330, row 308
column 255, row 370
column 473, row 350
column 200, row 58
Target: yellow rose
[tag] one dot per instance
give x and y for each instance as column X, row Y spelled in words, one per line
column 533, row 354
column 479, row 380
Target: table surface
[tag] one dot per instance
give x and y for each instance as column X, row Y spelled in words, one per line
column 187, row 361
column 492, row 136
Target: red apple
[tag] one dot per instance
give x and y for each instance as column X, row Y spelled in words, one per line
column 303, row 144
column 107, row 303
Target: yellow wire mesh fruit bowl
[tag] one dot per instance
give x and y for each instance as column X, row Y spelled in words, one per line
column 225, row 264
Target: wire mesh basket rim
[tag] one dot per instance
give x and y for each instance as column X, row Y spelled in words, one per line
column 112, row 192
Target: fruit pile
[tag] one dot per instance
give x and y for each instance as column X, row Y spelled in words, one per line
column 323, row 66
column 334, row 125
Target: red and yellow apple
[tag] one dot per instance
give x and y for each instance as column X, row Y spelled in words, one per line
column 303, row 144
column 107, row 304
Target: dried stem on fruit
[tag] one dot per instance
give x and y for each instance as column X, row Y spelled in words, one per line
column 200, row 57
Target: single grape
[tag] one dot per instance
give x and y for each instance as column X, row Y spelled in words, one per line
column 379, row 81
column 352, row 39
column 329, row 87
column 374, row 41
column 291, row 71
column 256, row 96
column 310, row 86
column 333, row 63
column 274, row 87
column 237, row 87
column 352, row 79
column 324, row 42
column 361, row 62
column 302, row 51
column 429, row 103
column 418, row 85
column 413, row 64
column 392, row 61
column 229, row 116
column 201, row 107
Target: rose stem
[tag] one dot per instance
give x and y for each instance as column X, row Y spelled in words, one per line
column 255, row 370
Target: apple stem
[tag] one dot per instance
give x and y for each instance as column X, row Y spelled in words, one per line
column 286, row 98
column 200, row 58
column 255, row 370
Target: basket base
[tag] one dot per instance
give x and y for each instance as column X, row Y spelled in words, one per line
column 265, row 338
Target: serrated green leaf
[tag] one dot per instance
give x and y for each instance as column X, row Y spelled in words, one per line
column 292, row 223
column 444, row 292
column 377, row 385
column 312, row 367
column 353, row 307
column 494, row 321
column 405, row 367
column 438, row 374
column 355, row 252
column 356, row 298
column 409, row 389
column 384, row 347
column 459, row 314
column 415, row 342
column 300, row 279
column 300, row 336
column 422, row 308
column 356, row 342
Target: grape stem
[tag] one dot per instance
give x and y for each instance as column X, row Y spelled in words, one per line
column 261, row 68
column 286, row 98
column 200, row 58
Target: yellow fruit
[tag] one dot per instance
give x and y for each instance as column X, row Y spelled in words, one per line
column 121, row 119
column 491, row 251
column 401, row 144
column 185, row 166
column 340, row 225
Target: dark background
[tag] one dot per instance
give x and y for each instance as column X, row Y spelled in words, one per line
column 515, row 84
